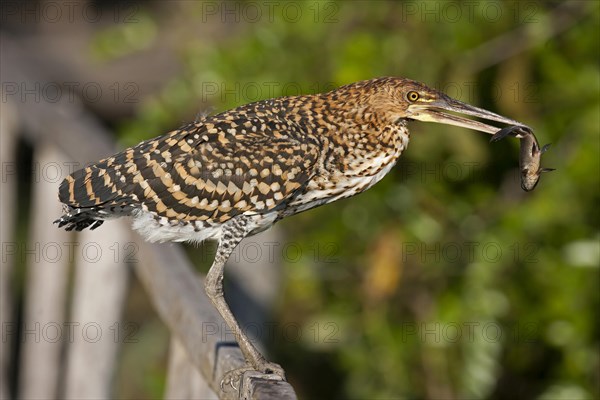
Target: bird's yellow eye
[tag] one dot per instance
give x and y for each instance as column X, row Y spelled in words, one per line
column 412, row 96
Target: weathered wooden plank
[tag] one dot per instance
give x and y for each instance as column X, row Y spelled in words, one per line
column 65, row 122
column 256, row 386
column 8, row 136
column 46, row 289
column 99, row 292
column 179, row 299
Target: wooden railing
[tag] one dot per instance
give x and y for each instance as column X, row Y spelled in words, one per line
column 65, row 134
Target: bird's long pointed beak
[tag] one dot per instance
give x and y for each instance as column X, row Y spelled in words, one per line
column 435, row 112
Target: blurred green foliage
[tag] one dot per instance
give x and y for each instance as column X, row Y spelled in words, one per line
column 445, row 280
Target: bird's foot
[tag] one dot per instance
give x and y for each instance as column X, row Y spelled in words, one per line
column 233, row 377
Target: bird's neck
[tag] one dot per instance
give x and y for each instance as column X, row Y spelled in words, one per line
column 354, row 138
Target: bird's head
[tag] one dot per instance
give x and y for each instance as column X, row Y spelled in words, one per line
column 399, row 99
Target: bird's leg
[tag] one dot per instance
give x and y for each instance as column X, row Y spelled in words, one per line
column 234, row 231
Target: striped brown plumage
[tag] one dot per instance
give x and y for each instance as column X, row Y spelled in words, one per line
column 234, row 174
column 284, row 155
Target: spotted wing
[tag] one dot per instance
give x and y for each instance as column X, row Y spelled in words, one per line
column 202, row 172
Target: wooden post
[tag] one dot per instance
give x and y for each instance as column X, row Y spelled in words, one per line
column 8, row 135
column 46, row 254
column 99, row 293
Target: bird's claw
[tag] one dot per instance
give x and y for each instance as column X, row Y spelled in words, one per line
column 233, row 377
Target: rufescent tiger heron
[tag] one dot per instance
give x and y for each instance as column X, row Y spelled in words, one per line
column 234, row 174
